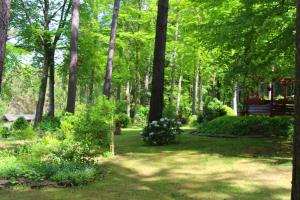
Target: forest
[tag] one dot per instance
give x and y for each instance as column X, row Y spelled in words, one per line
column 150, row 99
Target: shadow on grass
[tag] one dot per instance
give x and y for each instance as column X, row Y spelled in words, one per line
column 271, row 150
column 125, row 183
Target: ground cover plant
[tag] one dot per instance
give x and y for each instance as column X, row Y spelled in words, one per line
column 250, row 126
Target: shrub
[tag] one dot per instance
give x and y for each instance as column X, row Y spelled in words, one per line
column 4, row 132
column 193, row 120
column 27, row 133
column 49, row 124
column 215, row 109
column 162, row 132
column 250, row 125
column 170, row 112
column 123, row 119
column 141, row 116
column 20, row 124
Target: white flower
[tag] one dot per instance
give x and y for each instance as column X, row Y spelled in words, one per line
column 165, row 125
column 162, row 119
column 151, row 133
column 154, row 122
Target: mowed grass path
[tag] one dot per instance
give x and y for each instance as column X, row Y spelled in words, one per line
column 196, row 168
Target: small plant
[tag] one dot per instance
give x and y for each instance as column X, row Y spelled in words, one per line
column 20, row 124
column 4, row 132
column 49, row 124
column 27, row 133
column 170, row 112
column 161, row 132
column 215, row 109
column 193, row 120
column 123, row 119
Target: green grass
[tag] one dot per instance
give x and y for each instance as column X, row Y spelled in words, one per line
column 196, row 168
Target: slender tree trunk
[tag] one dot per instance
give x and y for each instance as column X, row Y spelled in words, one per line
column 157, row 93
column 146, row 85
column 200, row 95
column 112, row 44
column 51, row 109
column 42, row 92
column 128, row 99
column 295, row 195
column 4, row 19
column 174, row 65
column 235, row 99
column 195, row 92
column 74, row 57
column 179, row 93
column 137, row 92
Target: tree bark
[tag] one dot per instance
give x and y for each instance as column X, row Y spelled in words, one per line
column 295, row 194
column 200, row 95
column 42, row 92
column 112, row 44
column 146, row 84
column 4, row 20
column 179, row 93
column 174, row 65
column 128, row 99
column 235, row 99
column 157, row 93
column 74, row 57
column 195, row 91
column 51, row 109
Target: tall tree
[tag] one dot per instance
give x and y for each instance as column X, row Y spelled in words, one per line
column 74, row 57
column 4, row 19
column 111, row 52
column 157, row 92
column 295, row 195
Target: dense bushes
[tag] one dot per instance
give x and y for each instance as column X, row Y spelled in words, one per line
column 161, row 132
column 49, row 124
column 215, row 109
column 66, row 157
column 123, row 119
column 20, row 124
column 250, row 125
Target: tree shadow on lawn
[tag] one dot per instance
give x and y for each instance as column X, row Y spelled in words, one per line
column 125, row 183
column 270, row 150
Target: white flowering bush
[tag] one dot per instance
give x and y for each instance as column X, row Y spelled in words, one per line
column 161, row 132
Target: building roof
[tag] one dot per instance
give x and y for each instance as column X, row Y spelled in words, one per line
column 12, row 118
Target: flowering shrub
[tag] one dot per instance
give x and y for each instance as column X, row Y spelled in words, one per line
column 161, row 132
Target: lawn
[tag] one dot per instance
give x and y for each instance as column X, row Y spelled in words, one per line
column 196, row 168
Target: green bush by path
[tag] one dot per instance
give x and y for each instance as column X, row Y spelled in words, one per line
column 20, row 124
column 249, row 126
column 123, row 119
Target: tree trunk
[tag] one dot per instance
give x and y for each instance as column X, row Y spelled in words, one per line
column 200, row 95
column 42, row 92
column 157, row 93
column 235, row 99
column 128, row 99
column 174, row 65
column 4, row 19
column 137, row 92
column 295, row 195
column 195, row 92
column 146, row 85
column 179, row 93
column 74, row 57
column 51, row 109
column 112, row 44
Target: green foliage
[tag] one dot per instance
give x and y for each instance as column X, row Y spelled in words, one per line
column 49, row 124
column 141, row 117
column 249, row 126
column 123, row 119
column 170, row 112
column 193, row 120
column 161, row 132
column 27, row 133
column 4, row 132
column 20, row 124
column 215, row 108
